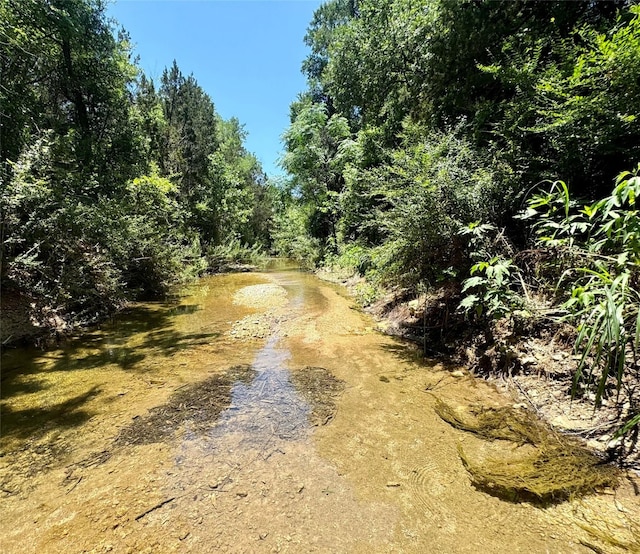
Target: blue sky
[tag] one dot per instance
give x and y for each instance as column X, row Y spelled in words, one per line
column 246, row 54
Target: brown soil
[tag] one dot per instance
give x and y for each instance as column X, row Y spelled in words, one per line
column 268, row 298
column 21, row 321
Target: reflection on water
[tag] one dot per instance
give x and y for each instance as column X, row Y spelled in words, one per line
column 282, row 264
column 269, row 408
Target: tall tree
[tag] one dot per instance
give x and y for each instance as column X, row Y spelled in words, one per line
column 189, row 140
column 327, row 19
column 109, row 186
column 76, row 76
column 318, row 148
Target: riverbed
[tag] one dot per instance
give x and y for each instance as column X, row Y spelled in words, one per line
column 260, row 412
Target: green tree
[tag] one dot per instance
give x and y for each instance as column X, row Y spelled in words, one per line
column 318, row 148
column 110, row 188
column 588, row 108
column 153, row 125
column 243, row 203
column 327, row 19
column 378, row 63
column 65, row 71
column 190, row 136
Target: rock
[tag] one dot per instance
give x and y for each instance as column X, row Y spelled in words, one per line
column 594, row 444
column 614, row 443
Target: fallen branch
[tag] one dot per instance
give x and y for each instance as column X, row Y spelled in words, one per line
column 527, row 397
column 75, row 484
column 159, row 505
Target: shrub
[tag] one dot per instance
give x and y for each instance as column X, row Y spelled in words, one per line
column 603, row 298
column 233, row 252
column 437, row 184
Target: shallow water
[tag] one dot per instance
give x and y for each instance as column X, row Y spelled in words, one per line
column 162, row 431
column 269, row 408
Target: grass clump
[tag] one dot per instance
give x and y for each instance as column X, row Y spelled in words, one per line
column 553, row 468
column 624, row 536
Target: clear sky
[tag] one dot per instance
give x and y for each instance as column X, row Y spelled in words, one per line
column 246, row 54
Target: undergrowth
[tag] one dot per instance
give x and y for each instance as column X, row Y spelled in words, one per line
column 590, row 272
column 234, row 253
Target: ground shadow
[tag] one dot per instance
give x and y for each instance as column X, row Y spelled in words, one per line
column 407, row 351
column 33, row 423
column 112, row 345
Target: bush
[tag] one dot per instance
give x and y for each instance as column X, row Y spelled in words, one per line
column 291, row 238
column 233, row 252
column 353, row 258
column 82, row 257
column 437, row 185
column 602, row 283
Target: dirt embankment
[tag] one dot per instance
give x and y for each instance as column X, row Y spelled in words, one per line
column 26, row 321
column 22, row 321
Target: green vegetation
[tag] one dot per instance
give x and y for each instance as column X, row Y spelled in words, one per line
column 600, row 244
column 112, row 188
column 420, row 157
column 421, row 153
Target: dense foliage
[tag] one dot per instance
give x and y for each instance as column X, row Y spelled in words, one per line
column 429, row 124
column 421, row 156
column 112, row 188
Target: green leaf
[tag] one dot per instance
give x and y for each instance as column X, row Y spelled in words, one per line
column 472, row 282
column 469, row 301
